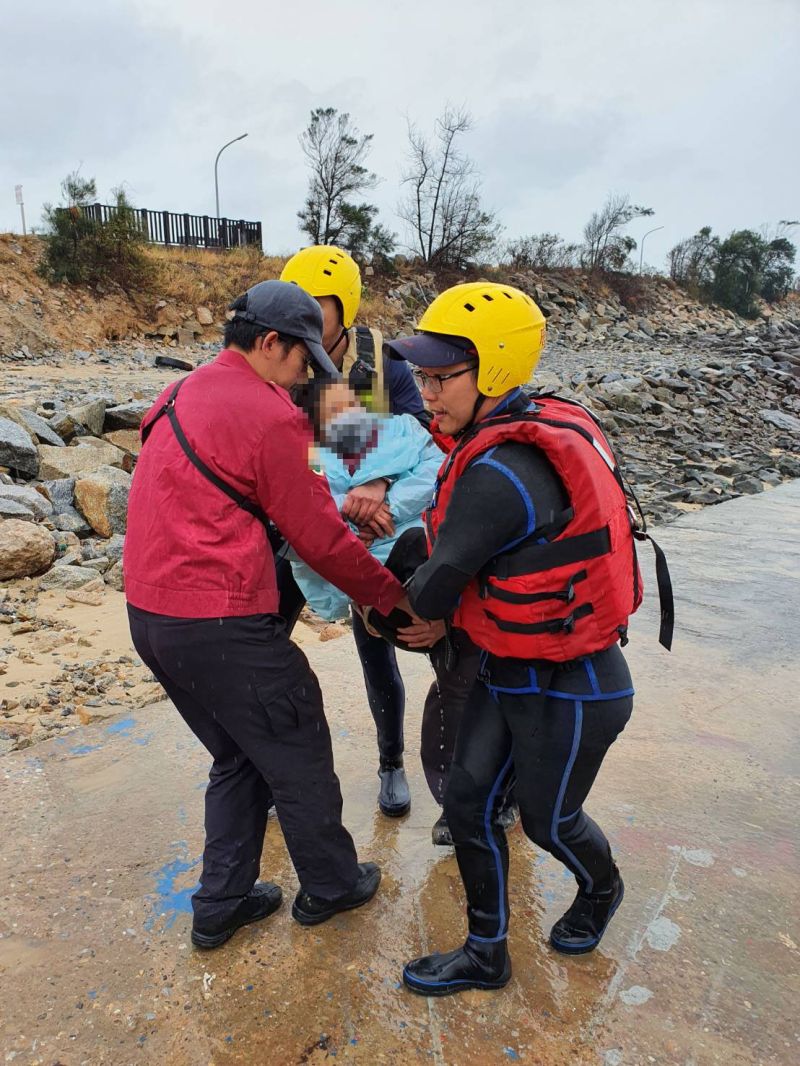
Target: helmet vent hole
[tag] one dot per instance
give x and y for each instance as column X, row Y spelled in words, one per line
column 507, row 295
column 468, row 307
column 328, row 272
column 487, row 297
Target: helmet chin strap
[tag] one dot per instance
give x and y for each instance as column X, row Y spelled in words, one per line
column 473, row 417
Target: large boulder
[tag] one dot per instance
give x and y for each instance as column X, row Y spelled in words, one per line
column 91, row 415
column 34, row 501
column 126, row 415
column 25, row 549
column 127, row 439
column 88, row 455
column 102, row 498
column 782, row 420
column 13, row 509
column 17, row 450
column 40, row 428
column 67, row 577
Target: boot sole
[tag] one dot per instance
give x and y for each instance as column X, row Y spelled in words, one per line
column 395, row 812
column 318, row 919
column 421, row 988
column 207, row 942
column 583, row 949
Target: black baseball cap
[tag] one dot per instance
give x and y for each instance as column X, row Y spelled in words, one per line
column 433, row 349
column 289, row 310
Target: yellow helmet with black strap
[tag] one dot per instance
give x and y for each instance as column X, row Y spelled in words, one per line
column 503, row 324
column 325, row 270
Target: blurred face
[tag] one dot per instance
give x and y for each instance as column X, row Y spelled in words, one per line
column 334, row 400
column 451, row 401
column 334, row 335
column 282, row 360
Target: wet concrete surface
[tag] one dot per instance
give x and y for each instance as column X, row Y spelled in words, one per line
column 102, row 835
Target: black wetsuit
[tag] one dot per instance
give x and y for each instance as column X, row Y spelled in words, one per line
column 545, row 726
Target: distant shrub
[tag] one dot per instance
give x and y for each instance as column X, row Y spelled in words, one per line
column 83, row 251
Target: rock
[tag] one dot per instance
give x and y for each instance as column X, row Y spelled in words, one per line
column 71, row 521
column 126, row 439
column 66, row 577
column 41, row 428
column 15, row 509
column 64, row 426
column 17, row 450
column 204, row 316
column 25, row 549
column 29, row 498
column 748, row 485
column 102, row 498
column 83, row 458
column 115, row 578
column 92, row 593
column 172, row 363
column 91, row 415
column 126, row 415
column 60, row 492
column 113, row 547
column 788, row 423
column 185, row 337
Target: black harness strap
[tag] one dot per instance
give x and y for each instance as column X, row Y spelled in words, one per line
column 275, row 538
column 555, row 625
column 666, row 600
column 533, row 558
column 567, row 594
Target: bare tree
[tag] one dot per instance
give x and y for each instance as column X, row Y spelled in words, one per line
column 443, row 206
column 606, row 247
column 692, row 261
column 336, row 152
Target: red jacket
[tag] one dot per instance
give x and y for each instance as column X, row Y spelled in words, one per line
column 191, row 552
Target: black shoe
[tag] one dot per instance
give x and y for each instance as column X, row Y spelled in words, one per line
column 581, row 928
column 257, row 904
column 311, row 910
column 440, row 834
column 394, row 798
column 475, row 965
column 506, row 817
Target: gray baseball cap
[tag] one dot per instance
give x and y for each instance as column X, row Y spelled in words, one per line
column 288, row 309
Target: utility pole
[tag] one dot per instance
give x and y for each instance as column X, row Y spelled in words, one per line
column 216, row 161
column 18, row 194
column 641, row 246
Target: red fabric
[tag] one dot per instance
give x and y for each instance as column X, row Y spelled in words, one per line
column 613, row 583
column 191, row 552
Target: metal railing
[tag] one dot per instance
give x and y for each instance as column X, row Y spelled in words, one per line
column 190, row 231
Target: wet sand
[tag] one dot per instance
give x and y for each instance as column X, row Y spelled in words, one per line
column 103, row 834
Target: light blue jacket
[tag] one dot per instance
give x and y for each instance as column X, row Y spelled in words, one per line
column 404, row 452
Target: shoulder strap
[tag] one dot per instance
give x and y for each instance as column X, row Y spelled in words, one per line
column 364, row 356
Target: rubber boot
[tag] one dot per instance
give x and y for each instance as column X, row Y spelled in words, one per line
column 475, row 965
column 581, row 928
column 394, row 798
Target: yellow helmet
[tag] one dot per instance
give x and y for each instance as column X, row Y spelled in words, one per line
column 325, row 270
column 503, row 323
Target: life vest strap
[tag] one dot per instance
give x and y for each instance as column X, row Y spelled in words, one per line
column 567, row 594
column 531, row 558
column 554, row 625
column 666, row 599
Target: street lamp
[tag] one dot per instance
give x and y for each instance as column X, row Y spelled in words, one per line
column 216, row 161
column 641, row 246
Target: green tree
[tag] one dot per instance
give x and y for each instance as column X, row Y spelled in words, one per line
column 336, row 152
column 82, row 250
column 749, row 266
column 692, row 262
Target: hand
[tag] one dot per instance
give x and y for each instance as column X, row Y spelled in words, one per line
column 422, row 634
column 366, row 536
column 382, row 525
column 362, row 502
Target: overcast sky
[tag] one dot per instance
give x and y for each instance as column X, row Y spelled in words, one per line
column 690, row 106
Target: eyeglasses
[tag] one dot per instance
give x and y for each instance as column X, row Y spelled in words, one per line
column 291, row 343
column 434, row 382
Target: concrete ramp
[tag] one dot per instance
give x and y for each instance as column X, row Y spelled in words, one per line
column 102, row 831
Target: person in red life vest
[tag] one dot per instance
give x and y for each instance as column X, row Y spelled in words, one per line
column 531, row 552
column 224, row 452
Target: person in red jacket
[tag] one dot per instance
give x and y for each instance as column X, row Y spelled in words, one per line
column 224, row 453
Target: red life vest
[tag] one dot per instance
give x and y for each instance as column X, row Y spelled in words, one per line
column 570, row 596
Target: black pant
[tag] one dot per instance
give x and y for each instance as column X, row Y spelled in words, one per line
column 547, row 730
column 386, row 694
column 250, row 697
